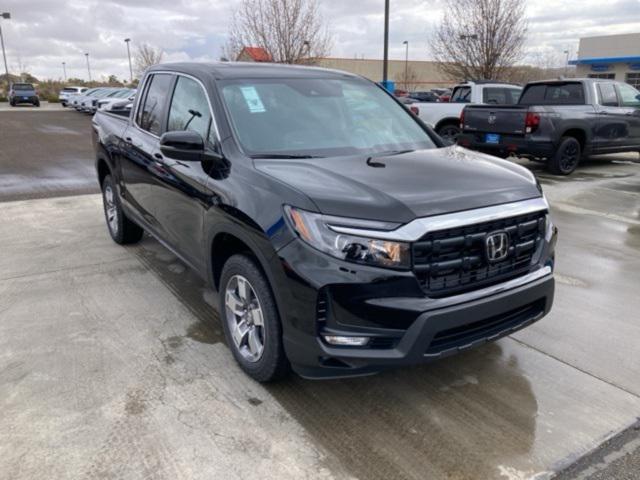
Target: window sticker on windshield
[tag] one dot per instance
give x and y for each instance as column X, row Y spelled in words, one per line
column 253, row 99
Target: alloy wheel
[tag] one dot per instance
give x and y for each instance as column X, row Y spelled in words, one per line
column 245, row 318
column 110, row 209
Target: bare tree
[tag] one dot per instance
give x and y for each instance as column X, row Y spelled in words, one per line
column 408, row 79
column 146, row 56
column 291, row 31
column 480, row 39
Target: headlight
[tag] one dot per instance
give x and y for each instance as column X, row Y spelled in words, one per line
column 314, row 229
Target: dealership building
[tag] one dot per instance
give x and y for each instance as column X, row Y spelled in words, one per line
column 614, row 57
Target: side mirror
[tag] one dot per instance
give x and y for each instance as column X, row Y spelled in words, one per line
column 185, row 145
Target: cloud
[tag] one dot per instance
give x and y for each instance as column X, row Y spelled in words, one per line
column 44, row 33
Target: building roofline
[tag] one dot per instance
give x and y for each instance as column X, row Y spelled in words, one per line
column 596, row 60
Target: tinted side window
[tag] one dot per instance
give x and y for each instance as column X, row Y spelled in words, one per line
column 553, row 94
column 500, row 95
column 569, row 94
column 151, row 111
column 190, row 109
column 461, row 95
column 607, row 93
column 629, row 95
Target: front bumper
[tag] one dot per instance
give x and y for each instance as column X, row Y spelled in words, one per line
column 30, row 99
column 326, row 296
column 521, row 146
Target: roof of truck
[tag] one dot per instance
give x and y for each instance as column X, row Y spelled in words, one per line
column 248, row 70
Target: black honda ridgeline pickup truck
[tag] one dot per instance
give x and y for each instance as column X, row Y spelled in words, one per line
column 341, row 234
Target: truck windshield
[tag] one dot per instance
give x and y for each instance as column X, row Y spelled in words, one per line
column 315, row 117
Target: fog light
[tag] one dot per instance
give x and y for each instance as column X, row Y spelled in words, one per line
column 346, row 341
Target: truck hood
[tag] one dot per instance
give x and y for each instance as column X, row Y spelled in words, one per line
column 405, row 186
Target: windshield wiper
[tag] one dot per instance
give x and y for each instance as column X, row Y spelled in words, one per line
column 388, row 153
column 277, row 156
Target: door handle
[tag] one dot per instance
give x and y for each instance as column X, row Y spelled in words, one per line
column 158, row 156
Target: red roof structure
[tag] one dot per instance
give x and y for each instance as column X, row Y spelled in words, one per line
column 254, row 54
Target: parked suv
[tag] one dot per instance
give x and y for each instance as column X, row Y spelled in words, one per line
column 341, row 234
column 23, row 93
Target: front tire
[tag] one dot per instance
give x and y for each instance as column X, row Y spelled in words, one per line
column 122, row 230
column 566, row 158
column 250, row 320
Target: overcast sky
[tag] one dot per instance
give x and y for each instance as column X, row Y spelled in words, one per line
column 44, row 33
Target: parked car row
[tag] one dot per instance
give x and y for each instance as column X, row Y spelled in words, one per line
column 93, row 99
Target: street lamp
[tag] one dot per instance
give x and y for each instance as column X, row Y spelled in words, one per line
column 127, row 40
column 6, row 16
column 64, row 71
column 406, row 65
column 88, row 67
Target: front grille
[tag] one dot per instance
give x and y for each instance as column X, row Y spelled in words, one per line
column 492, row 327
column 454, row 261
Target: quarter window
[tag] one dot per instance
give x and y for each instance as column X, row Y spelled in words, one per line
column 151, row 112
column 190, row 109
column 608, row 96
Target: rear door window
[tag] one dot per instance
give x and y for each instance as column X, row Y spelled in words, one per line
column 607, row 94
column 500, row 95
column 461, row 95
column 151, row 112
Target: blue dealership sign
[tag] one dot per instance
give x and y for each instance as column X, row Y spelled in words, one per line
column 599, row 67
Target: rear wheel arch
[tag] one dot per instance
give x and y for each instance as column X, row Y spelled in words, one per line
column 447, row 121
column 579, row 134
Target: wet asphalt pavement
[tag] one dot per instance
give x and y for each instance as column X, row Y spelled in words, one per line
column 113, row 365
column 45, row 153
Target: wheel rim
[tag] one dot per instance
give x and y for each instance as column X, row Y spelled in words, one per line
column 244, row 318
column 110, row 209
column 450, row 133
column 569, row 158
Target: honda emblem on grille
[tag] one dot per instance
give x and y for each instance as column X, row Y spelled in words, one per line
column 492, row 118
column 497, row 246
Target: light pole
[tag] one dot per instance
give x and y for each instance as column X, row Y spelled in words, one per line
column 406, row 65
column 6, row 16
column 64, row 71
column 466, row 38
column 385, row 58
column 88, row 67
column 566, row 63
column 307, row 44
column 127, row 40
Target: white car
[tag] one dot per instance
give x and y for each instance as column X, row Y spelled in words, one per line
column 444, row 118
column 67, row 92
column 125, row 96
